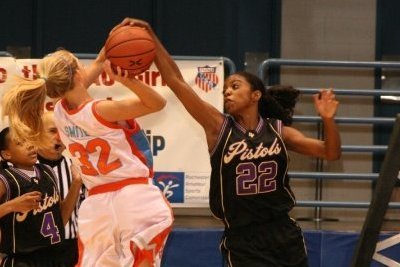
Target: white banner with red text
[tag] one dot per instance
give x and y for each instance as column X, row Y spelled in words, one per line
column 181, row 159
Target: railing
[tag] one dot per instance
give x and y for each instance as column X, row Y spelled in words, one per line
column 267, row 67
column 274, row 62
column 5, row 54
column 228, row 63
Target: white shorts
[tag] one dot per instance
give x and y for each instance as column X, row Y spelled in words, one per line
column 123, row 227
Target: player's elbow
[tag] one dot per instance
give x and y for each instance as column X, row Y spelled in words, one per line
column 161, row 103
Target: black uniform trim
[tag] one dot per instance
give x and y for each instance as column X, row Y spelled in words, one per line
column 7, row 195
column 222, row 130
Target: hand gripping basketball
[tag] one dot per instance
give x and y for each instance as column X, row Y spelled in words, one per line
column 131, row 48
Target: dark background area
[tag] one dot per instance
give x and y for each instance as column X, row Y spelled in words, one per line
column 227, row 28
column 387, row 49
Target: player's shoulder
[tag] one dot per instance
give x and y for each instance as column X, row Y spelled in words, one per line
column 44, row 168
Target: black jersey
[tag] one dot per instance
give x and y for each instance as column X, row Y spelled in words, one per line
column 22, row 233
column 249, row 181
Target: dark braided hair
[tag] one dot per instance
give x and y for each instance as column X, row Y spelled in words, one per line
column 277, row 101
column 3, row 146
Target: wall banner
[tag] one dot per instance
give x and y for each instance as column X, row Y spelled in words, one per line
column 178, row 142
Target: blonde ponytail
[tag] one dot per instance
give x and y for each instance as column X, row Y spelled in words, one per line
column 24, row 106
column 24, row 102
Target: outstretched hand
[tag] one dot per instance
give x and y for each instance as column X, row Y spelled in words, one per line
column 326, row 103
column 132, row 22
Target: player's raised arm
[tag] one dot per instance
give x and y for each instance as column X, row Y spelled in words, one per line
column 329, row 148
column 95, row 68
column 204, row 113
column 68, row 204
column 145, row 101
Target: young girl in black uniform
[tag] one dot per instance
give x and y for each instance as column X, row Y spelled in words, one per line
column 248, row 150
column 32, row 215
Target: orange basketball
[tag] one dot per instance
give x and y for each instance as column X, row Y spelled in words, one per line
column 131, row 48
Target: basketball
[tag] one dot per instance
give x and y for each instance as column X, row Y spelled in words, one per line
column 131, row 48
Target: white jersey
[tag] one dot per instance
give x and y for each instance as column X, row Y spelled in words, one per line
column 106, row 152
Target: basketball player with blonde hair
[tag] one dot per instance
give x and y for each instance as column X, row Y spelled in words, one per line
column 125, row 220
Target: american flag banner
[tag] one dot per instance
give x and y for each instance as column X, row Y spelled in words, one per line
column 206, row 78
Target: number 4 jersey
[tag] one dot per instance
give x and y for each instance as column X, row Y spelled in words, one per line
column 249, row 182
column 106, row 152
column 36, row 229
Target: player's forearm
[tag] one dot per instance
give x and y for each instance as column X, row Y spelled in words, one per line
column 69, row 203
column 165, row 64
column 147, row 95
column 333, row 149
column 96, row 68
column 6, row 208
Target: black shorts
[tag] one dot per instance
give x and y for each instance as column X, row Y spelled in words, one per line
column 277, row 243
column 41, row 258
column 64, row 254
column 69, row 252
